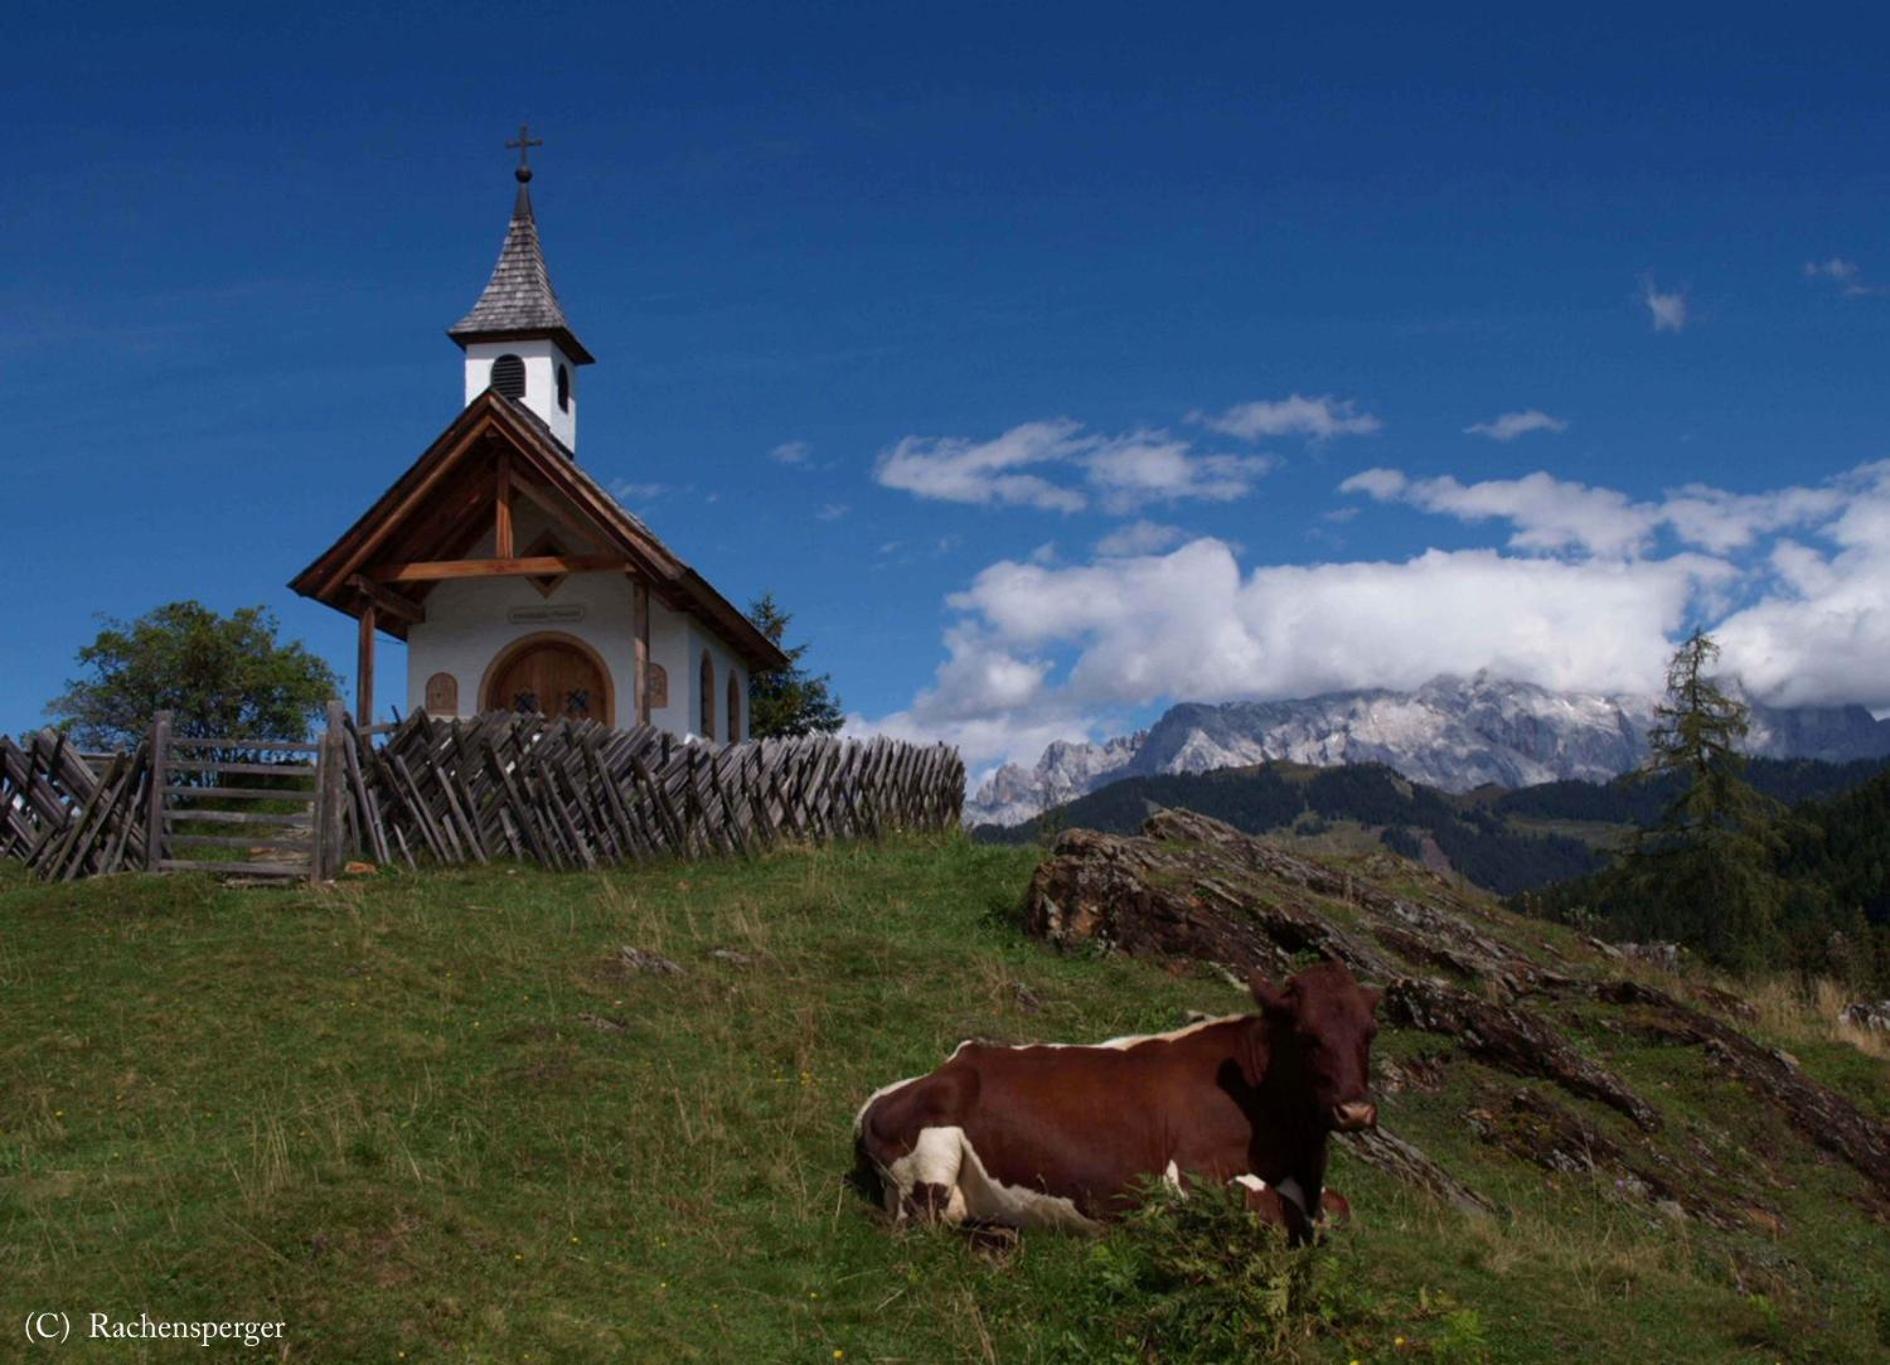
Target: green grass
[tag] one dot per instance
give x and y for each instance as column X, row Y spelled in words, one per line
column 431, row 1114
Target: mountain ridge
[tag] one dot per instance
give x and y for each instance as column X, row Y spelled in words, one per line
column 1452, row 733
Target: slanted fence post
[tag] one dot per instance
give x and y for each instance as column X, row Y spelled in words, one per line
column 154, row 808
column 330, row 853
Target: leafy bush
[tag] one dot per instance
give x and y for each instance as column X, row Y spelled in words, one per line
column 1201, row 1278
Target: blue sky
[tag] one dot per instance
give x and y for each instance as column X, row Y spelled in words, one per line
column 1220, row 291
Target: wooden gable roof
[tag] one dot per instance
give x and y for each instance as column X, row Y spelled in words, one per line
column 415, row 533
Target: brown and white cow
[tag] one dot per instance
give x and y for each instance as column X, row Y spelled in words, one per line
column 1059, row 1135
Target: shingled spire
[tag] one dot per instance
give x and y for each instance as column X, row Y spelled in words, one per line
column 519, row 301
column 517, row 340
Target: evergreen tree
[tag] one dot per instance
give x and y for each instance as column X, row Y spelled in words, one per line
column 788, row 701
column 1705, row 872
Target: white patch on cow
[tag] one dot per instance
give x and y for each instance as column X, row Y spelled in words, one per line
column 1172, row 1176
column 1252, row 1182
column 1129, row 1040
column 935, row 1159
column 944, row 1156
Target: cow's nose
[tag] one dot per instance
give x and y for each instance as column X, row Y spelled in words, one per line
column 1349, row 1118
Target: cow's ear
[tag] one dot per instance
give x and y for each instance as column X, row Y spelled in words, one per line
column 1256, row 1052
column 1272, row 1000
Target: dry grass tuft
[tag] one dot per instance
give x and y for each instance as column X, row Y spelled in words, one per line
column 1795, row 1010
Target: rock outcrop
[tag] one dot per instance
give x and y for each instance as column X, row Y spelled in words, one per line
column 1454, row 967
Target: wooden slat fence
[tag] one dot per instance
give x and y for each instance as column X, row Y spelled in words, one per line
column 567, row 794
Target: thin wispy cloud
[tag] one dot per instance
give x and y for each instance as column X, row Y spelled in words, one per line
column 1845, row 274
column 791, row 453
column 832, row 511
column 1667, row 309
column 1509, row 425
column 1553, row 516
column 1139, row 538
column 1316, row 419
column 1060, row 466
column 627, row 491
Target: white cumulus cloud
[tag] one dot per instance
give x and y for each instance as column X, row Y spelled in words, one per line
column 1046, row 650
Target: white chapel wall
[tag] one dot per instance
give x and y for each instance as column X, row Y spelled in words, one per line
column 469, row 621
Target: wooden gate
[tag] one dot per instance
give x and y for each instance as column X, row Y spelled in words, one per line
column 234, row 806
column 248, row 807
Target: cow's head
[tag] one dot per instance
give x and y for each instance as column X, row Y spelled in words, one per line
column 1319, row 1034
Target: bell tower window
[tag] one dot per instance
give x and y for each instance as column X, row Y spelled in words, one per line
column 508, row 376
column 564, row 388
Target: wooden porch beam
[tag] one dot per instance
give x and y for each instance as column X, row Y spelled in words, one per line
column 389, row 601
column 502, row 509
column 364, row 669
column 533, row 566
column 640, row 624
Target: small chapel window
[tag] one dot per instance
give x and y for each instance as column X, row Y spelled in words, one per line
column 564, row 389
column 734, row 709
column 508, row 376
column 708, row 696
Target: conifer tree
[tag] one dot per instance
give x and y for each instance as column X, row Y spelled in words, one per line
column 788, row 701
column 1705, row 872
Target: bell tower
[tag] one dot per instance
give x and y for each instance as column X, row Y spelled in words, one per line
column 516, row 338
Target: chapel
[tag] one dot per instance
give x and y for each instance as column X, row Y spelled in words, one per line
column 516, row 580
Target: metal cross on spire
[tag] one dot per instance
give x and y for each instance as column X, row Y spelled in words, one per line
column 524, row 142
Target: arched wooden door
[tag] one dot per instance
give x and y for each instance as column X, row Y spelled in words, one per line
column 553, row 676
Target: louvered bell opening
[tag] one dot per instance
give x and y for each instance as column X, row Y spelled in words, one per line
column 508, row 376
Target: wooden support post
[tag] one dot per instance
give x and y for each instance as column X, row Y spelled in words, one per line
column 640, row 610
column 502, row 510
column 330, row 851
column 364, row 666
column 154, row 807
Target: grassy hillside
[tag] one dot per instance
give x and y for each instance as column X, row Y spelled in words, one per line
column 438, row 1116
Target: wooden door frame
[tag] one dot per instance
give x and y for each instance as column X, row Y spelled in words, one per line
column 509, row 655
